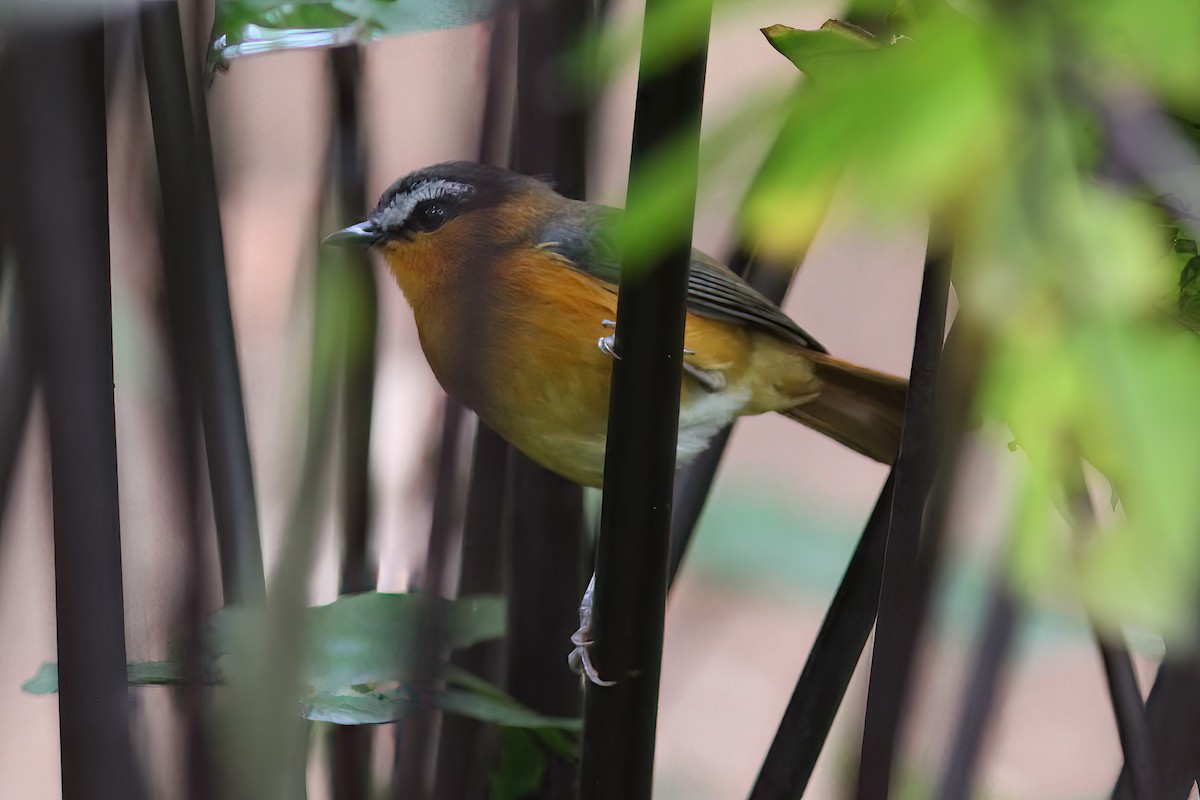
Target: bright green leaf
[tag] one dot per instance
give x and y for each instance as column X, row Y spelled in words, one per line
column 906, row 129
column 816, row 51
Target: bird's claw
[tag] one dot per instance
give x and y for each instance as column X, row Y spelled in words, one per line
column 580, row 658
column 608, row 346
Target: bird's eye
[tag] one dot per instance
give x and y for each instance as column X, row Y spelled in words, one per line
column 428, row 216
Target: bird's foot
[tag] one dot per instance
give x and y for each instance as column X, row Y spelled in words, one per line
column 608, row 344
column 580, row 658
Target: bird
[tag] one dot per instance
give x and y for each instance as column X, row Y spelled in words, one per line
column 513, row 288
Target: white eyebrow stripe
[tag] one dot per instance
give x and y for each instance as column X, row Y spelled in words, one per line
column 397, row 213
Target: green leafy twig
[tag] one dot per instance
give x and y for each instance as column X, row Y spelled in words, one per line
column 249, row 27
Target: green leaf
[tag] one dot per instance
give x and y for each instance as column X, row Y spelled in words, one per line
column 44, row 681
column 388, row 701
column 500, row 704
column 816, row 51
column 1149, row 40
column 249, row 27
column 371, row 637
column 507, row 713
column 360, row 705
column 355, row 644
column 904, row 131
column 151, row 673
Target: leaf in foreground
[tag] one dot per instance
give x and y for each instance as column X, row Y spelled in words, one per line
column 250, row 27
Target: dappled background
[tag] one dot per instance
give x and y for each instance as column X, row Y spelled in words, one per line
column 780, row 524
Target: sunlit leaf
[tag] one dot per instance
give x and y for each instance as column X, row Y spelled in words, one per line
column 1154, row 38
column 816, row 51
column 908, row 128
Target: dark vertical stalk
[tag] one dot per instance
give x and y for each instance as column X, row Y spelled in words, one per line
column 1123, row 690
column 544, row 558
column 551, row 136
column 204, row 281
column 230, row 472
column 900, row 597
column 444, row 528
column 631, row 566
column 831, row 662
column 1174, row 729
column 1130, row 716
column 54, row 98
column 991, row 660
column 545, row 536
column 416, row 736
column 16, row 376
column 352, row 743
column 175, row 148
column 464, row 747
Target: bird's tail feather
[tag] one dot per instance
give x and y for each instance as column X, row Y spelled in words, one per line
column 859, row 407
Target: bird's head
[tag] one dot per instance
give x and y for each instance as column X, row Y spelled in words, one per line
column 459, row 214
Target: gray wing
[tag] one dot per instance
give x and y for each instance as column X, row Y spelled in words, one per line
column 714, row 290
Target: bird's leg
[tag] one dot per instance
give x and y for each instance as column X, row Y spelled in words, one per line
column 580, row 658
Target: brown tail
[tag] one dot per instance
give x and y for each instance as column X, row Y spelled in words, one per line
column 861, row 408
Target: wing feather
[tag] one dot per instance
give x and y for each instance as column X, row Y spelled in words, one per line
column 714, row 291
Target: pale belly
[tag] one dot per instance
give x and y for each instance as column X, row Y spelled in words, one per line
column 578, row 455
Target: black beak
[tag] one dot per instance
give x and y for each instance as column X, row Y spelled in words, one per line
column 364, row 234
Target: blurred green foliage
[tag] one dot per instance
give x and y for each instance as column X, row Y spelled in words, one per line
column 369, row 658
column 994, row 119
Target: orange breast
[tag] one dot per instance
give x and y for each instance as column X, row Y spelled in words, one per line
column 548, row 389
column 548, row 384
column 515, row 339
